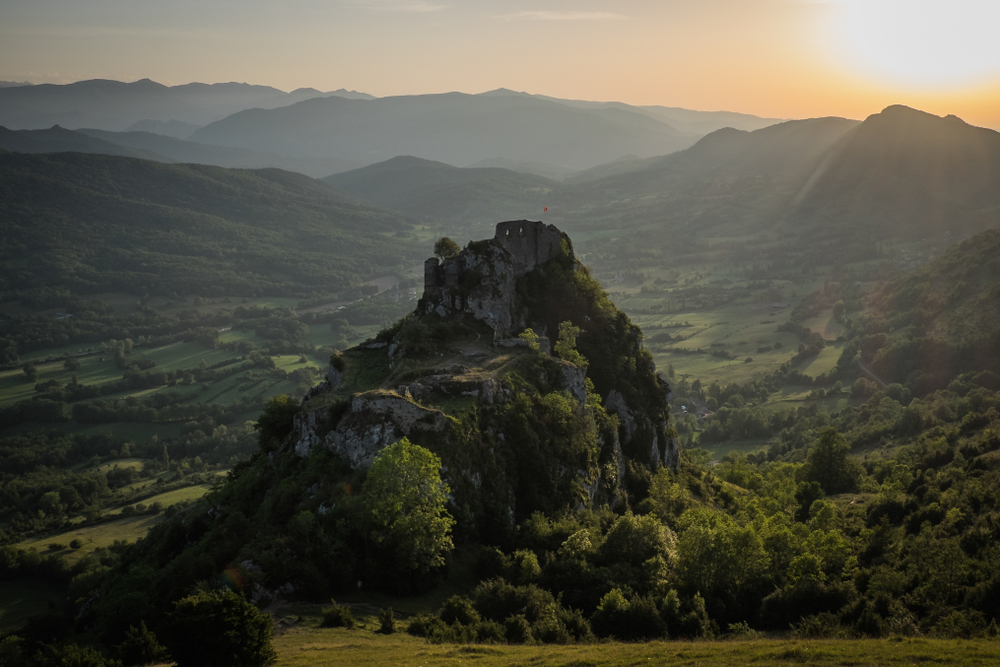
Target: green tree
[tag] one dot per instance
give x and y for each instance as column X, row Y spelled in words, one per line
column 830, row 465
column 140, row 647
column 221, row 629
column 276, row 420
column 635, row 539
column 565, row 347
column 530, row 336
column 444, row 248
column 405, row 498
column 72, row 365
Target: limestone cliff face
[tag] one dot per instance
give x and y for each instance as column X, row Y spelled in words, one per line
column 663, row 447
column 481, row 279
column 375, row 420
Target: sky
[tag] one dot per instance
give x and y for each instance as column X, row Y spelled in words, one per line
column 773, row 58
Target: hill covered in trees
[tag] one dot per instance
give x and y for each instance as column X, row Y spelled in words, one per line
column 80, row 224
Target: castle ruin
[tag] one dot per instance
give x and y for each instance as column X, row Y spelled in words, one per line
column 480, row 279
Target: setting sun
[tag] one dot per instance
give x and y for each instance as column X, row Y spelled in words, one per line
column 921, row 43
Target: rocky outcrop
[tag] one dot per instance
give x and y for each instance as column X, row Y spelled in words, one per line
column 663, row 448
column 375, row 420
column 487, row 391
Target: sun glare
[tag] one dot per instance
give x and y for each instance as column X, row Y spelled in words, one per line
column 921, row 43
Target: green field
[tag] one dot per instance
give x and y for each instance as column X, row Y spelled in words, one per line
column 93, row 537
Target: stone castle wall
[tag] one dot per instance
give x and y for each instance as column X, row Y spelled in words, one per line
column 528, row 242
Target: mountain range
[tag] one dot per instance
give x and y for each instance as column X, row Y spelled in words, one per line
column 901, row 173
column 321, row 133
column 454, row 128
column 114, row 105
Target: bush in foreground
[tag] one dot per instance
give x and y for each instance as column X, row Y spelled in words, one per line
column 221, row 629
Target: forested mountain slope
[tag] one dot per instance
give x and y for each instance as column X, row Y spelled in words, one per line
column 60, row 140
column 909, row 173
column 442, row 192
column 89, row 223
column 942, row 320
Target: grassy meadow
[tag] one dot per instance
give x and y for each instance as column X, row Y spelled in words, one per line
column 97, row 536
column 301, row 643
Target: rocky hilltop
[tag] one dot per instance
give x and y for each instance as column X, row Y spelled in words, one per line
column 454, row 377
column 515, row 370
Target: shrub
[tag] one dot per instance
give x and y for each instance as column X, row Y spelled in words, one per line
column 458, row 609
column 386, row 621
column 220, row 629
column 419, row 624
column 140, row 647
column 337, row 617
column 497, row 600
column 75, row 543
column 72, row 655
column 490, row 632
column 817, row 626
column 517, row 630
column 439, row 632
column 742, row 630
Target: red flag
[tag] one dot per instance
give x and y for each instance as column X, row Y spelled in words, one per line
column 545, row 208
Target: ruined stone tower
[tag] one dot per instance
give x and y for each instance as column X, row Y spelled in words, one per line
column 480, row 280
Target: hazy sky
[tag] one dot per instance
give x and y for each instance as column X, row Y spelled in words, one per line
column 781, row 58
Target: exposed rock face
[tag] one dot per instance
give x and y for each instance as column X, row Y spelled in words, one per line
column 486, row 391
column 575, row 379
column 633, row 423
column 375, row 421
column 480, row 280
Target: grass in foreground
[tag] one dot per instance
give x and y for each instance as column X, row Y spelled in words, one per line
column 301, row 643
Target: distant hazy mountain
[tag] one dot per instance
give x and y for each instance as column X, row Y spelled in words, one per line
column 158, row 148
column 910, row 170
column 179, row 150
column 170, row 128
column 13, row 84
column 836, row 183
column 449, row 194
column 113, row 105
column 527, row 167
column 757, row 171
column 454, row 128
column 782, row 150
column 687, row 120
column 60, row 140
